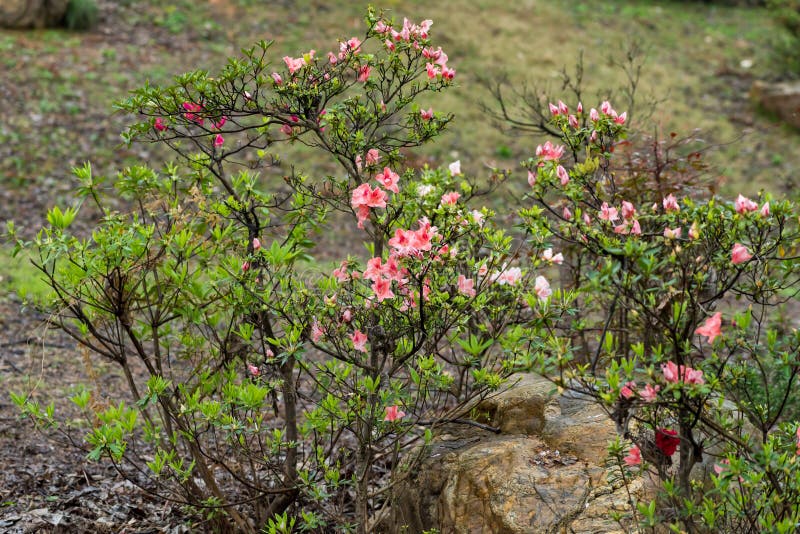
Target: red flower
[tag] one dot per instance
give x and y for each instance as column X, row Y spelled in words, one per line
column 667, row 441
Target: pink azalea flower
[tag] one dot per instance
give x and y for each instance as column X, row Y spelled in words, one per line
column 562, row 108
column 608, row 213
column 455, row 168
column 649, row 393
column 621, row 118
column 547, row 255
column 740, row 254
column 245, row 266
column 579, row 109
column 622, row 228
column 627, row 391
column 332, row 58
column 671, row 372
column 159, row 124
column 422, row 237
column 744, row 204
column 477, row 217
column 765, row 210
column 219, row 141
column 347, row 316
column 374, row 269
column 573, row 121
column 508, row 276
column 286, row 130
column 256, row 243
column 363, row 73
column 403, row 242
column 672, row 233
column 341, row 272
column 586, row 219
column 606, row 108
column 426, row 114
column 634, row 457
column 635, row 228
column 316, row 332
column 191, row 112
column 594, row 115
column 351, row 45
column 359, row 340
column 553, row 109
column 628, row 211
column 430, row 53
column 393, row 413
column 712, row 327
column 294, row 64
column 383, row 289
column 450, row 198
column 381, row 27
column 542, row 288
column 373, row 157
column 549, row 151
column 388, row 179
column 562, row 174
column 693, row 376
column 390, row 45
column 448, row 73
column 432, row 70
column 680, row 373
column 364, row 195
column 362, row 214
column 220, row 123
column 466, row 286
column 254, row 370
column 277, row 78
column 531, row 179
column 566, row 213
column 670, row 204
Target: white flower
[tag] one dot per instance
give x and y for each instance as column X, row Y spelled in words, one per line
column 455, row 168
column 424, row 190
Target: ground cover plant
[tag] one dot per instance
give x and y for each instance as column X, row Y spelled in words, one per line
column 205, row 296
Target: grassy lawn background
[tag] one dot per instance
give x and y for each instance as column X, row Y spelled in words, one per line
column 57, row 87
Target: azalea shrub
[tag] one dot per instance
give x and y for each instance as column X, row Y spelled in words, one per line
column 268, row 389
column 681, row 326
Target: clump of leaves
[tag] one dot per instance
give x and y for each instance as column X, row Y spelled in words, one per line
column 81, row 15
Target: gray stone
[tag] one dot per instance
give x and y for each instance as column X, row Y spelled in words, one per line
column 782, row 99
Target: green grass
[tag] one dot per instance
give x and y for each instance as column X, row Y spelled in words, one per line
column 19, row 277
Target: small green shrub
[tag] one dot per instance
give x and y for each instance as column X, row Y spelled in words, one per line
column 81, row 14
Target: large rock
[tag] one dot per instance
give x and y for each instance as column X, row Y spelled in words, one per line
column 32, row 13
column 782, row 99
column 543, row 473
